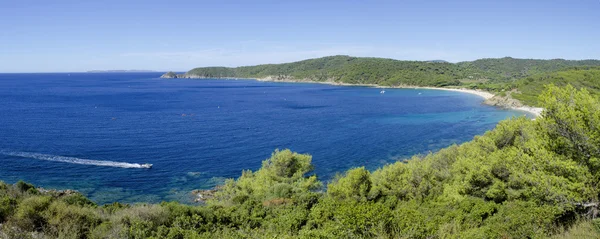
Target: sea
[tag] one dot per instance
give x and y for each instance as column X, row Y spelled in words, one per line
column 95, row 132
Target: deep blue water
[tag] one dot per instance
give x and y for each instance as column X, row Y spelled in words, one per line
column 199, row 132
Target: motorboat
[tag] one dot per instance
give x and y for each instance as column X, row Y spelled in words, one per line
column 146, row 165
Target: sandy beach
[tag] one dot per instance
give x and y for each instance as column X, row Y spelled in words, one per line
column 487, row 95
column 483, row 94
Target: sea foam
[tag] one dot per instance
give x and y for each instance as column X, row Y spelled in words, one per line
column 64, row 159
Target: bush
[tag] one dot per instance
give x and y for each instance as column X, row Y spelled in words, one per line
column 71, row 221
column 25, row 187
column 78, row 199
column 7, row 207
column 281, row 176
column 356, row 184
column 30, row 213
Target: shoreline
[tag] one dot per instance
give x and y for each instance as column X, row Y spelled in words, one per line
column 535, row 111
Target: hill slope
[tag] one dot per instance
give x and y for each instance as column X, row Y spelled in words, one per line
column 346, row 69
column 528, row 89
column 389, row 72
column 508, row 68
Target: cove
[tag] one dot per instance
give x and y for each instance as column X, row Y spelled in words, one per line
column 92, row 131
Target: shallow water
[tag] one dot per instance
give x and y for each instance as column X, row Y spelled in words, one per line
column 92, row 131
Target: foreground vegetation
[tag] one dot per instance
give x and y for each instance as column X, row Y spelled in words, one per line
column 524, row 179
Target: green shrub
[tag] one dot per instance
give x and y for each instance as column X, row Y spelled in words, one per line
column 7, row 207
column 281, row 176
column 355, row 184
column 71, row 221
column 25, row 187
column 30, row 213
column 78, row 199
column 519, row 219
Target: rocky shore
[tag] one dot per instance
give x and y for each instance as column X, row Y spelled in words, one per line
column 201, row 196
column 508, row 102
column 173, row 75
column 59, row 193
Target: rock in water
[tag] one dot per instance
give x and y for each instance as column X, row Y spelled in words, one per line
column 169, row 75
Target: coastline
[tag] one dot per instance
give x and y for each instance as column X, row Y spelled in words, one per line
column 536, row 111
column 488, row 97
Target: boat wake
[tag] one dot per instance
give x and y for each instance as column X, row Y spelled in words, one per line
column 74, row 160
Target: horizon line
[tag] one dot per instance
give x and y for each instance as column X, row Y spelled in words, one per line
column 176, row 71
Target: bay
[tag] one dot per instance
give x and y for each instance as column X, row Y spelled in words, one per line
column 92, row 131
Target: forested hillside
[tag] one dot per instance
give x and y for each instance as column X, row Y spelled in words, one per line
column 523, row 179
column 345, row 69
column 528, row 89
column 389, row 72
column 508, row 68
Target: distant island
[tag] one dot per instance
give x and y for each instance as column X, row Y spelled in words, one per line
column 118, row 71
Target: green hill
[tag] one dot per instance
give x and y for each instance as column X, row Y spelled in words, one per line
column 507, row 68
column 213, row 72
column 389, row 72
column 529, row 88
column 346, row 69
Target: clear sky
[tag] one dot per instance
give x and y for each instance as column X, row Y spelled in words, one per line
column 69, row 36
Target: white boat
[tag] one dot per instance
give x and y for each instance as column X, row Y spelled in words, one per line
column 147, row 165
column 382, row 92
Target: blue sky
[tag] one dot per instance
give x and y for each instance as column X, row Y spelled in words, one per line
column 70, row 36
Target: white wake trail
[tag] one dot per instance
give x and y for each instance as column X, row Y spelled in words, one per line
column 74, row 160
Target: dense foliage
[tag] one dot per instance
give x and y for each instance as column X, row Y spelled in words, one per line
column 389, row 72
column 524, row 179
column 528, row 89
column 352, row 70
column 508, row 68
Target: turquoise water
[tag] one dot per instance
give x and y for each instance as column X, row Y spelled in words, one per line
column 93, row 132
